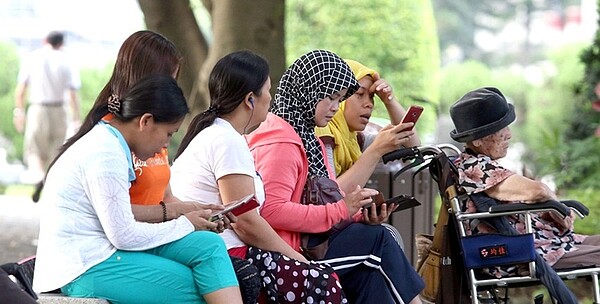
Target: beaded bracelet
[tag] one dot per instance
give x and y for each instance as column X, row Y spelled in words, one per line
column 164, row 211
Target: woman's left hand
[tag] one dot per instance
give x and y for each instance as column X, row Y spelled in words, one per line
column 371, row 217
column 563, row 224
column 229, row 219
column 383, row 90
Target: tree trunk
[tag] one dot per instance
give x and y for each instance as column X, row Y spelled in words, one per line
column 240, row 24
column 236, row 24
column 176, row 21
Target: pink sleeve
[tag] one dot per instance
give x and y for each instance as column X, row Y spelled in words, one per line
column 283, row 168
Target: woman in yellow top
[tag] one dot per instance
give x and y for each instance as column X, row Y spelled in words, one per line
column 355, row 153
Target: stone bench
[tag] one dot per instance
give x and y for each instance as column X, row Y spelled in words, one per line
column 55, row 298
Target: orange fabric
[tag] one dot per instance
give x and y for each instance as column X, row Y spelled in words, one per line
column 108, row 117
column 152, row 179
column 152, row 176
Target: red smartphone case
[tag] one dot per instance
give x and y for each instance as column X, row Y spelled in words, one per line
column 237, row 208
column 412, row 114
column 246, row 206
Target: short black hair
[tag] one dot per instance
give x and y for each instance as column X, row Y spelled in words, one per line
column 55, row 38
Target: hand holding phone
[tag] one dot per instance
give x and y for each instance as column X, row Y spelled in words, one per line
column 403, row 202
column 412, row 115
column 237, row 208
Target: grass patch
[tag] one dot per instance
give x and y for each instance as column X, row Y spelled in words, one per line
column 17, row 189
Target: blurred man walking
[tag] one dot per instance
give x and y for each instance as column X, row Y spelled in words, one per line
column 51, row 81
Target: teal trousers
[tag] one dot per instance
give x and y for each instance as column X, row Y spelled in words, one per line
column 178, row 272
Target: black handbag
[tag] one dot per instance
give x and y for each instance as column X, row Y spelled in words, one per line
column 320, row 190
column 23, row 272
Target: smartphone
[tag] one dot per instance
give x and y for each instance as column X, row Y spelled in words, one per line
column 403, row 202
column 412, row 115
column 378, row 200
column 237, row 208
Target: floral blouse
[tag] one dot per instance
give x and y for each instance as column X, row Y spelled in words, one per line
column 478, row 173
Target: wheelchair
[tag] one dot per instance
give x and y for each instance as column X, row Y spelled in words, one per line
column 466, row 256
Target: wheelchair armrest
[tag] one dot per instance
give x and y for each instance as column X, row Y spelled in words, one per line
column 578, row 207
column 561, row 208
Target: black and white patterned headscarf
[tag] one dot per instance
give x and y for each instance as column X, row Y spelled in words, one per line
column 311, row 78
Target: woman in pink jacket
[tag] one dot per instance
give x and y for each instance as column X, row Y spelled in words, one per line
column 287, row 151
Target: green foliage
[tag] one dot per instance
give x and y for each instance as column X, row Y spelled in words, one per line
column 545, row 120
column 589, row 197
column 581, row 164
column 8, row 79
column 395, row 37
column 579, row 160
column 459, row 78
column 591, row 59
column 92, row 82
column 9, row 63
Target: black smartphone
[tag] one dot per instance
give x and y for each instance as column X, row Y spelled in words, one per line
column 403, row 201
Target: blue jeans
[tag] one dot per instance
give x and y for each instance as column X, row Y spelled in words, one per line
column 179, row 272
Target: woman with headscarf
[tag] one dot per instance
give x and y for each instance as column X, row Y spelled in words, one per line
column 287, row 152
column 356, row 153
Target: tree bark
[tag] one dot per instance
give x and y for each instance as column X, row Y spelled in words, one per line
column 256, row 25
column 240, row 24
column 176, row 21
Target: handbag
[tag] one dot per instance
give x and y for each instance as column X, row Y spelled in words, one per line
column 320, row 190
column 23, row 273
column 429, row 267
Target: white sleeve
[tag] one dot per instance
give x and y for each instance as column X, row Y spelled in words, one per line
column 231, row 155
column 329, row 151
column 109, row 194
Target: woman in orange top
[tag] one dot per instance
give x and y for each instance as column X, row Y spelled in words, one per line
column 145, row 53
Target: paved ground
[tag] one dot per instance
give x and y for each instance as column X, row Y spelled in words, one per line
column 19, row 225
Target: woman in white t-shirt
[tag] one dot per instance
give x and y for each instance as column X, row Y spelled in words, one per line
column 214, row 164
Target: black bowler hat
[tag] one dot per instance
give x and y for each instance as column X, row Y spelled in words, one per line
column 479, row 113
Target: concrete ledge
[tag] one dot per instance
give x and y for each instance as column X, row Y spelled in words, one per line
column 53, row 298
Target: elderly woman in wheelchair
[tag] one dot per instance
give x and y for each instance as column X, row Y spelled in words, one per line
column 481, row 119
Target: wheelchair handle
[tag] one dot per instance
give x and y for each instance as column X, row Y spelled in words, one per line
column 417, row 151
column 581, row 210
column 400, row 154
column 554, row 205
